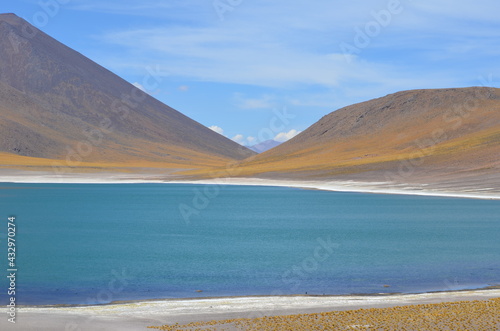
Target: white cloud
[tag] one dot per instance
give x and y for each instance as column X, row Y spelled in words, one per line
column 284, row 136
column 239, row 138
column 184, row 88
column 139, row 86
column 217, row 129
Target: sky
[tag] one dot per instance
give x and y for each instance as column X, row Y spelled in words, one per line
column 254, row 70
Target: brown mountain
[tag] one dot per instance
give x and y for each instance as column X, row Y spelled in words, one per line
column 56, row 104
column 423, row 136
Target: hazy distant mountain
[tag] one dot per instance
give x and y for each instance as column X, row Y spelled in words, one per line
column 57, row 104
column 264, row 146
column 410, row 135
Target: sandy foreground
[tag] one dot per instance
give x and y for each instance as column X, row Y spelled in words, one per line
column 15, row 176
column 140, row 315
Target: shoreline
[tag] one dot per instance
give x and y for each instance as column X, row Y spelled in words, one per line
column 347, row 186
column 291, row 296
column 140, row 314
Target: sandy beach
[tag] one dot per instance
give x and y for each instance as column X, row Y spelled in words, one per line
column 140, row 315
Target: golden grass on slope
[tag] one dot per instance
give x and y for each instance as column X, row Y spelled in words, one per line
column 12, row 161
column 452, row 316
column 438, row 129
column 373, row 136
column 365, row 155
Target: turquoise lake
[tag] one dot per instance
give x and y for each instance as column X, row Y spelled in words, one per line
column 97, row 243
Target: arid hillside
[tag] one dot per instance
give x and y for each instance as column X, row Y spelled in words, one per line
column 58, row 107
column 419, row 135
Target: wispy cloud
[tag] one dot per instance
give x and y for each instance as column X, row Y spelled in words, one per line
column 173, row 9
column 288, row 50
column 221, row 56
column 263, row 102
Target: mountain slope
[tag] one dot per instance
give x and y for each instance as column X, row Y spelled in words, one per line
column 56, row 104
column 419, row 135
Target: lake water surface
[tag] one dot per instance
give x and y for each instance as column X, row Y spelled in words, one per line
column 96, row 243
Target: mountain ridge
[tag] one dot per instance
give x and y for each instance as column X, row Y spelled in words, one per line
column 421, row 136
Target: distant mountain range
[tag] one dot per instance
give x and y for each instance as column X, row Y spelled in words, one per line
column 60, row 109
column 264, row 146
column 56, row 104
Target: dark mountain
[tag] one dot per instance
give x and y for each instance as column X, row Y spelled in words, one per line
column 56, row 104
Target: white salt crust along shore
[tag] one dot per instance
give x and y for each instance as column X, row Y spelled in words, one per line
column 338, row 186
column 139, row 315
column 356, row 186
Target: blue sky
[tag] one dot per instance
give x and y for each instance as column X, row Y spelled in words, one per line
column 236, row 65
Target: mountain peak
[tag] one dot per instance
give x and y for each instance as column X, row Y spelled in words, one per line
column 11, row 18
column 7, row 15
column 54, row 100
